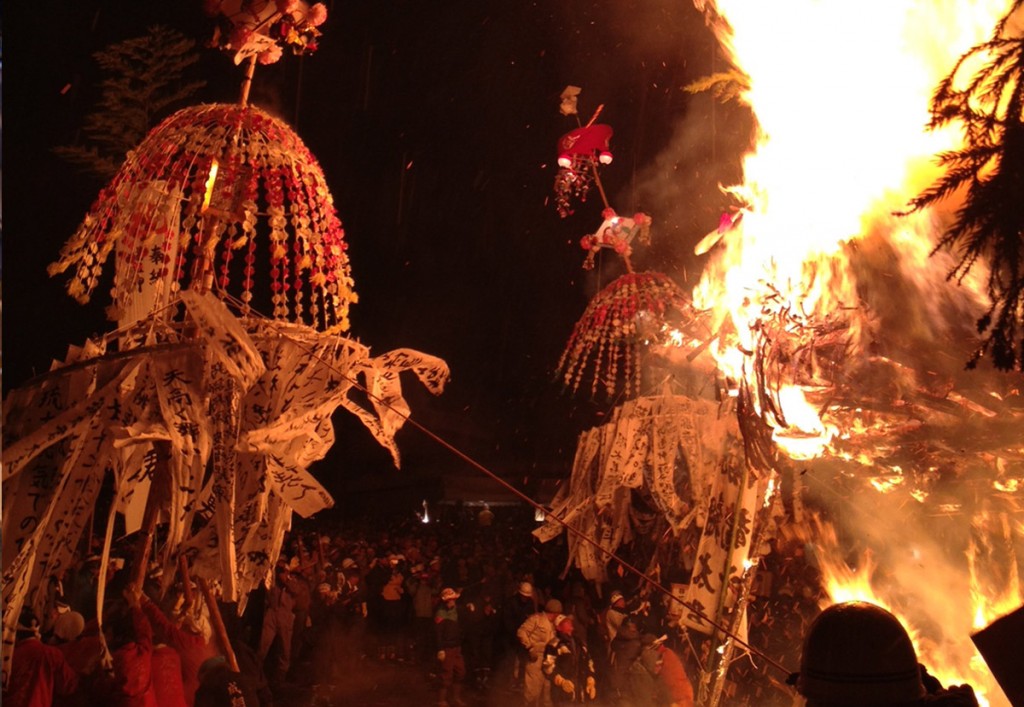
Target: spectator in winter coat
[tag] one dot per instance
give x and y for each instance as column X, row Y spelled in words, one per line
column 625, row 650
column 449, row 649
column 673, row 677
column 644, row 687
column 568, row 665
column 536, row 632
column 189, row 636
column 38, row 671
column 421, row 587
column 278, row 621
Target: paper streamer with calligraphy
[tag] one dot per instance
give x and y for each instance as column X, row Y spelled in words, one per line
column 242, row 407
column 646, row 443
column 725, row 544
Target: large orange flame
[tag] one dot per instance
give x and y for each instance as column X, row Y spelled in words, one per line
column 840, row 94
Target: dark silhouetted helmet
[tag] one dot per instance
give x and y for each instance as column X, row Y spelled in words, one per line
column 858, row 653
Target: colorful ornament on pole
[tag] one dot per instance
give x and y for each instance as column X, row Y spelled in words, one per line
column 265, row 28
column 579, row 153
column 619, row 323
column 210, row 186
column 617, row 233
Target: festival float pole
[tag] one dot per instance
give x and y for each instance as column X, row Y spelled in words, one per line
column 236, row 407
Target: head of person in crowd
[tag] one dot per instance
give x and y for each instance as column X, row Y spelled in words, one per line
column 650, row 652
column 553, row 608
column 617, row 600
column 629, row 630
column 857, row 653
column 564, row 625
column 194, row 620
column 28, row 625
column 68, row 625
column 448, row 596
column 281, row 571
column 525, row 591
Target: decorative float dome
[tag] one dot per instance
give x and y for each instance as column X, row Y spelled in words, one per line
column 209, row 185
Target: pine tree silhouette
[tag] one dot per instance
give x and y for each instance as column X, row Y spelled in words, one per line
column 990, row 223
column 146, row 80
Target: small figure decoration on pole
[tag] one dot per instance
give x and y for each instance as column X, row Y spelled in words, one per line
column 618, row 233
column 580, row 151
column 263, row 29
column 260, row 31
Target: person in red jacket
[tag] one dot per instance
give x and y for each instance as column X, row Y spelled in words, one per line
column 167, row 681
column 38, row 671
column 186, row 636
column 673, row 677
column 131, row 643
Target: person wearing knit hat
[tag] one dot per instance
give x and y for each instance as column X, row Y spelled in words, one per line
column 643, row 685
column 534, row 634
column 857, row 653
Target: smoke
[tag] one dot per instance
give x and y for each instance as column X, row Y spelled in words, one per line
column 919, row 315
column 930, row 562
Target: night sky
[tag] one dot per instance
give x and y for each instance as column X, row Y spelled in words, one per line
column 436, row 126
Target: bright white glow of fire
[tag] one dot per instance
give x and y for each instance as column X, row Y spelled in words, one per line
column 840, row 92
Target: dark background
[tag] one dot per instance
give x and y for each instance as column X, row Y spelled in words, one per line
column 436, row 126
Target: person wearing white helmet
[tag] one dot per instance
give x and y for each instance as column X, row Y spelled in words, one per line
column 449, row 648
column 519, row 607
column 568, row 665
column 536, row 632
column 614, row 615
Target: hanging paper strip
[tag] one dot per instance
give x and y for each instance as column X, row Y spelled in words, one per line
column 248, row 399
column 647, row 443
column 208, row 181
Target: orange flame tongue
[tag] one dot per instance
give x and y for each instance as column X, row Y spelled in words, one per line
column 841, row 99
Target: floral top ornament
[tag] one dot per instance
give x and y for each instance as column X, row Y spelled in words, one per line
column 617, row 233
column 265, row 28
column 611, row 336
column 209, row 191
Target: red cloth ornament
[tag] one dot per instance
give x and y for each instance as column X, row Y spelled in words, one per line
column 585, row 142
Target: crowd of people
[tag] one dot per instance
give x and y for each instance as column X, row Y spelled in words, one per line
column 470, row 605
column 473, row 602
